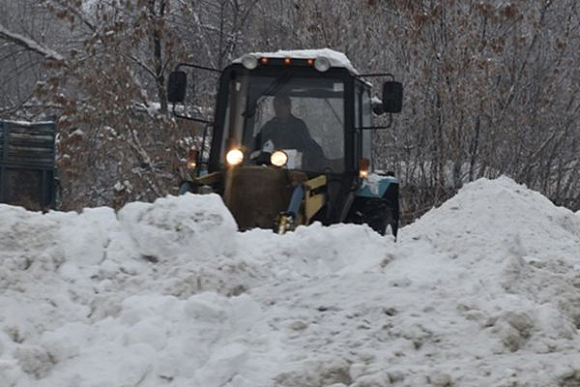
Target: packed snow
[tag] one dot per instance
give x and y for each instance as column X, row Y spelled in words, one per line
column 482, row 291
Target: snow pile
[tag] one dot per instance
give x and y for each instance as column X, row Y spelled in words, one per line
column 481, row 291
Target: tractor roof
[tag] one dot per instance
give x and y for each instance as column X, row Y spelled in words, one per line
column 337, row 59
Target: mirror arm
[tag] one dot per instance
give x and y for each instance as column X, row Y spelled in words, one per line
column 379, row 127
column 376, row 75
column 184, row 64
column 176, row 114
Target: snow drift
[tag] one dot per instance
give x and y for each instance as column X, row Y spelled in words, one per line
column 483, row 291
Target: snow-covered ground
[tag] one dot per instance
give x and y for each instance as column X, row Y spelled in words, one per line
column 483, row 291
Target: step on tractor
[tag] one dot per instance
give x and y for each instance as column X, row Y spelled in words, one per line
column 291, row 141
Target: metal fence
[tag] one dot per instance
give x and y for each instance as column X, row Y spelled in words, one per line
column 27, row 164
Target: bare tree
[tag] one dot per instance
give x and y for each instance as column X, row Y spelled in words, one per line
column 24, row 50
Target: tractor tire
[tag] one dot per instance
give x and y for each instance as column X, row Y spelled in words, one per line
column 374, row 212
column 377, row 215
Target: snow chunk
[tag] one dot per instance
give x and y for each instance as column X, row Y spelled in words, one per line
column 189, row 224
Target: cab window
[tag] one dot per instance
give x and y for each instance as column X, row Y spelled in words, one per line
column 304, row 116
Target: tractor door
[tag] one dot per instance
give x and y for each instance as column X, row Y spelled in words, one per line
column 376, row 202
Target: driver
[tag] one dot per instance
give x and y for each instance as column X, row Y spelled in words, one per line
column 287, row 131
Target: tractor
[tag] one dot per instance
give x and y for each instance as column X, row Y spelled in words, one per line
column 291, row 141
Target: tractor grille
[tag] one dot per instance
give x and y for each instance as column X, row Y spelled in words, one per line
column 258, row 195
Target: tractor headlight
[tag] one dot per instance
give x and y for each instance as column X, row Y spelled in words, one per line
column 235, row 157
column 321, row 64
column 279, row 158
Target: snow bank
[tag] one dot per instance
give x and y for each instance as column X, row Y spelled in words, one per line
column 481, row 291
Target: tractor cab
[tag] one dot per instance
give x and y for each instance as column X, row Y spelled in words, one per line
column 291, row 142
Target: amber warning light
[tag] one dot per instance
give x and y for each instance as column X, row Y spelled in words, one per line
column 321, row 64
column 363, row 167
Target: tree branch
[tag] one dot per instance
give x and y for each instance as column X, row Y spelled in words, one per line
column 77, row 13
column 30, row 44
column 142, row 65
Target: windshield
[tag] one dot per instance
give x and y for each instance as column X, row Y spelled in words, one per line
column 302, row 116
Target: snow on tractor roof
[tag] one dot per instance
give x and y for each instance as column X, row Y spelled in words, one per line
column 337, row 59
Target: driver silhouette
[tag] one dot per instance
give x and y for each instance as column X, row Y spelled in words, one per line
column 286, row 131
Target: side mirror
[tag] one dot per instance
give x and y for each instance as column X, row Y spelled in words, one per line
column 392, row 97
column 176, row 86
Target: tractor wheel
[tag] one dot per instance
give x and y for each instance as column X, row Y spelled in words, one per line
column 377, row 215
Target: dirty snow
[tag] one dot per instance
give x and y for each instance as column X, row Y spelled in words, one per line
column 483, row 291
